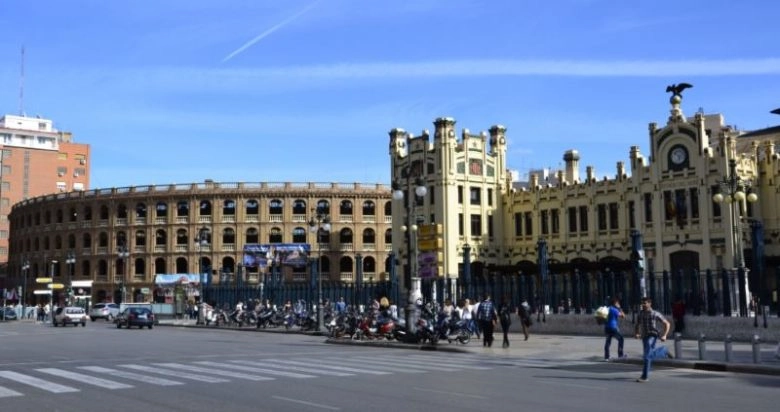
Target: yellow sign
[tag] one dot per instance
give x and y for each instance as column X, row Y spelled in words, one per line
column 43, row 280
column 430, row 244
column 432, row 229
column 55, row 285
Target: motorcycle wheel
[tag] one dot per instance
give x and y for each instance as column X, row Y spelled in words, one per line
column 464, row 337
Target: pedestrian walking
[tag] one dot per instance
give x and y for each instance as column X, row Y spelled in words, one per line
column 678, row 315
column 524, row 313
column 612, row 328
column 647, row 329
column 486, row 315
column 505, row 317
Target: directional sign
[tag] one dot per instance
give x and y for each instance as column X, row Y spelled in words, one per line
column 43, row 280
column 55, row 285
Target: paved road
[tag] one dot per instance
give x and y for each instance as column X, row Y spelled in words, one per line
column 100, row 368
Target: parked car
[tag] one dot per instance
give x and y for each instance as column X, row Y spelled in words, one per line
column 135, row 316
column 107, row 311
column 70, row 315
column 8, row 314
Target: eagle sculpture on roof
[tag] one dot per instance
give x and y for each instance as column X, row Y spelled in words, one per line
column 676, row 89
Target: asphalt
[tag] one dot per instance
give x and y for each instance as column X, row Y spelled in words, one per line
column 691, row 354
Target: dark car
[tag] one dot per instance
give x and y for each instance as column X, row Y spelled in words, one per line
column 135, row 316
column 8, row 313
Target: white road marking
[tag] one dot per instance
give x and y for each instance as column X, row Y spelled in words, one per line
column 338, row 368
column 458, row 394
column 37, row 382
column 315, row 405
column 90, row 380
column 177, row 374
column 132, row 376
column 236, row 375
column 270, row 362
column 5, row 393
column 254, row 369
column 376, row 365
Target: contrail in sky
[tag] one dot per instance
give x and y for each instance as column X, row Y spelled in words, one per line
column 271, row 30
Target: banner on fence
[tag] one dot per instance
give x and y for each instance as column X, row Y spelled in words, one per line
column 181, row 278
column 289, row 254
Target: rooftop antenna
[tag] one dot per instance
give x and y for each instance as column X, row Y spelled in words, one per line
column 21, row 86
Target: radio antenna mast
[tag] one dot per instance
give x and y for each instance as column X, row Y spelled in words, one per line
column 21, row 86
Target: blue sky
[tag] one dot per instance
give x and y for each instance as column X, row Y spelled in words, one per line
column 179, row 91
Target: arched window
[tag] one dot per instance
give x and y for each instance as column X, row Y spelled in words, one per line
column 86, row 241
column 369, row 208
column 139, row 269
column 161, row 209
column 71, row 241
column 299, row 207
column 47, row 217
column 37, row 218
column 388, row 237
column 299, row 235
column 389, row 209
column 121, row 239
column 87, row 213
column 160, row 238
column 159, row 266
column 252, row 236
column 85, row 269
column 57, row 242
column 369, row 265
column 252, row 207
column 275, row 235
column 181, row 265
column 275, row 207
column 103, row 212
column 59, row 215
column 181, row 237
column 325, row 267
column 205, row 207
column 72, row 215
column 323, row 207
column 345, row 208
column 228, row 236
column 346, row 265
column 121, row 211
column 369, row 236
column 102, row 268
column 103, row 239
column 229, row 207
column 140, row 238
column 182, row 208
column 37, row 244
column 345, row 235
column 140, row 210
column 46, row 243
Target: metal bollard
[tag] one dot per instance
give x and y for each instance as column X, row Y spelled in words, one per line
column 702, row 346
column 727, row 347
column 678, row 345
column 756, row 349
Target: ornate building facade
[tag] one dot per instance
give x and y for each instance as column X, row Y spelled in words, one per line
column 121, row 238
column 493, row 224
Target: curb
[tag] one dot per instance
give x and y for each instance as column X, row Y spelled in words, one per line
column 396, row 345
column 712, row 366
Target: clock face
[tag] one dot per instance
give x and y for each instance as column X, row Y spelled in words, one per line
column 678, row 155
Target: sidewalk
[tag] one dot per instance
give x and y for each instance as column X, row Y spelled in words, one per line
column 583, row 348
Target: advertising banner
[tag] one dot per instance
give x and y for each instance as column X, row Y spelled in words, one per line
column 290, row 254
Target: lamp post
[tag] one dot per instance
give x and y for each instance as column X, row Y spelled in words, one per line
column 412, row 281
column 71, row 261
column 51, row 275
column 122, row 253
column 319, row 223
column 737, row 191
column 201, row 241
column 25, row 271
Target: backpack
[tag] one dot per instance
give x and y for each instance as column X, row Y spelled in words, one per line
column 505, row 315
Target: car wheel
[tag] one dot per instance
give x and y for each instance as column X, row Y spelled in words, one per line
column 150, row 326
column 118, row 325
column 83, row 324
column 92, row 318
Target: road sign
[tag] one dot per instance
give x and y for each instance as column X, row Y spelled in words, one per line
column 43, row 280
column 55, row 285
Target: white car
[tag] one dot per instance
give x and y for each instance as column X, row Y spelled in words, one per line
column 107, row 311
column 72, row 315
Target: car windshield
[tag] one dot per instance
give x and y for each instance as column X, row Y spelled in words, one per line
column 74, row 310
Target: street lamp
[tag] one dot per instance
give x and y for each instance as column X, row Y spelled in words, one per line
column 25, row 271
column 122, row 253
column 71, row 261
column 201, row 241
column 319, row 224
column 737, row 191
column 51, row 275
column 412, row 281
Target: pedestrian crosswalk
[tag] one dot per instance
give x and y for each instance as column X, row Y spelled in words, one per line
column 75, row 378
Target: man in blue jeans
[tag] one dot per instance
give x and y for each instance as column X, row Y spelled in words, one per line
column 647, row 330
column 612, row 329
